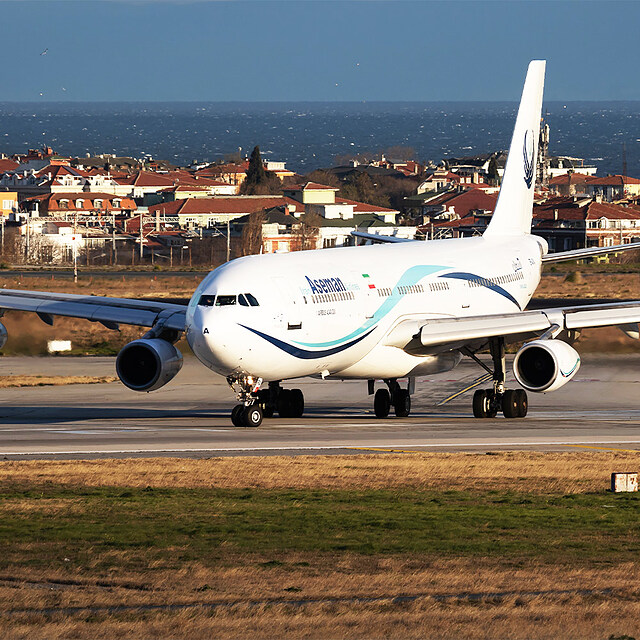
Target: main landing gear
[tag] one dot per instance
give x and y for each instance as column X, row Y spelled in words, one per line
column 257, row 403
column 488, row 402
column 395, row 396
column 289, row 403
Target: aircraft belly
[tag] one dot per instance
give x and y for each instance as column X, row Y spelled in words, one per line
column 390, row 362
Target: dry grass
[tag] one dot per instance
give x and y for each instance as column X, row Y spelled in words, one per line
column 571, row 472
column 101, row 579
column 7, row 382
column 590, row 285
column 525, row 616
column 123, row 287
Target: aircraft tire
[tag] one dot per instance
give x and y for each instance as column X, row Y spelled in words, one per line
column 402, row 403
column 264, row 399
column 382, row 403
column 483, row 404
column 235, row 415
column 285, row 406
column 252, row 416
column 268, row 410
column 479, row 409
column 296, row 400
column 510, row 404
column 523, row 402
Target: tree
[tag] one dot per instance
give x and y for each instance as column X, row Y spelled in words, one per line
column 492, row 172
column 259, row 181
column 399, row 152
column 255, row 172
column 252, row 234
column 304, row 235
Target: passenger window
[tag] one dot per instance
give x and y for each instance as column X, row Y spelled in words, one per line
column 225, row 301
column 252, row 301
column 243, row 301
column 206, row 301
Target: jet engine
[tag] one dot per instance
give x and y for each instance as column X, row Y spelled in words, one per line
column 148, row 364
column 545, row 365
column 3, row 335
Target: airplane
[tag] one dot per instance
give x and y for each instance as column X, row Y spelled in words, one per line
column 385, row 312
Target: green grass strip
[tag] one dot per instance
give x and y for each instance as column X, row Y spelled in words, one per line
column 202, row 522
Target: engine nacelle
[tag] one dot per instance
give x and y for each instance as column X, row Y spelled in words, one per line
column 545, row 365
column 148, row 364
column 3, row 335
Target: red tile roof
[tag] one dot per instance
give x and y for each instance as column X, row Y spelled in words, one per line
column 597, row 210
column 465, row 201
column 570, row 178
column 52, row 200
column 363, row 207
column 221, row 205
column 145, row 179
column 59, row 170
column 7, row 165
column 616, row 180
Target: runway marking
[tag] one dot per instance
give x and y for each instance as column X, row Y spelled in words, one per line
column 583, row 446
column 347, row 447
column 384, row 450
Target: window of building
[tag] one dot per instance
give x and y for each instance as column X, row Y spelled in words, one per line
column 64, row 204
column 79, row 204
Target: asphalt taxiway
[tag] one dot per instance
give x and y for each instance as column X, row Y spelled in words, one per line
column 600, row 408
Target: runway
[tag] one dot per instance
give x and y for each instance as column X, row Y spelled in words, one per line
column 189, row 417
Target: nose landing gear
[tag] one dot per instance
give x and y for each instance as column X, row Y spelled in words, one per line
column 248, row 413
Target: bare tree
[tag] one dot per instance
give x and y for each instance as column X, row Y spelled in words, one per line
column 304, row 235
column 252, row 234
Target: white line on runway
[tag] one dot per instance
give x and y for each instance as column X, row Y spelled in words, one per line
column 358, row 446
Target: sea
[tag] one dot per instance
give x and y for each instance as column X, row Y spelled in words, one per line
column 311, row 135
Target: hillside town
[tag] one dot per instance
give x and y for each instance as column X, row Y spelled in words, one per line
column 109, row 210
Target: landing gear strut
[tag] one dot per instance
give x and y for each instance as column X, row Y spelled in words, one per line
column 488, row 402
column 395, row 396
column 248, row 413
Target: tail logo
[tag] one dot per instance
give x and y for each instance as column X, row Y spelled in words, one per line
column 528, row 151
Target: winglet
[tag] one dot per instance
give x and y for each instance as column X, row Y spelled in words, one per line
column 514, row 208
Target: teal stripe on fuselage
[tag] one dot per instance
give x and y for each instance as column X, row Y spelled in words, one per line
column 410, row 277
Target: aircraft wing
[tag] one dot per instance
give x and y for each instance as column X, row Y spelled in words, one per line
column 578, row 254
column 376, row 238
column 108, row 311
column 412, row 334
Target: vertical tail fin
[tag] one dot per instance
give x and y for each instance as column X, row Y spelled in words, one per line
column 515, row 200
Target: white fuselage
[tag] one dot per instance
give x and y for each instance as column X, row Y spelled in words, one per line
column 327, row 312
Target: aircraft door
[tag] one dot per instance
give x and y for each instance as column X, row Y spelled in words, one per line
column 368, row 293
column 289, row 308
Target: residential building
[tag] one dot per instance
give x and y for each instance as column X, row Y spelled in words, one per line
column 455, row 205
column 82, row 203
column 284, row 231
column 612, row 188
column 573, row 223
column 8, row 202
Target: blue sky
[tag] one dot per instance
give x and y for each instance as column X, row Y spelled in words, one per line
column 315, row 50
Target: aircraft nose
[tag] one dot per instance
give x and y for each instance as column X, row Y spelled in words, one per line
column 213, row 338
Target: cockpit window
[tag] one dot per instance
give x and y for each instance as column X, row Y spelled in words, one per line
column 252, row 301
column 206, row 301
column 225, row 301
column 242, row 300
